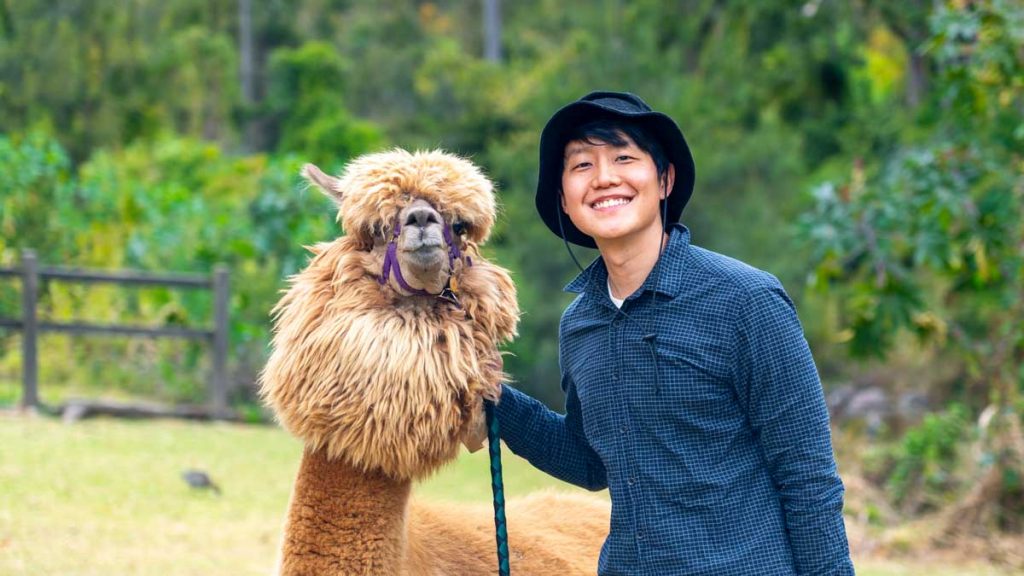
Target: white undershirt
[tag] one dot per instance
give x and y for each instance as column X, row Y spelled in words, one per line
column 617, row 301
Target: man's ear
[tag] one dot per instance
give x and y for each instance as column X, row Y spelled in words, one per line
column 669, row 180
column 561, row 200
column 330, row 185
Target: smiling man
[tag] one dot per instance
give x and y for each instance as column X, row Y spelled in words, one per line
column 690, row 390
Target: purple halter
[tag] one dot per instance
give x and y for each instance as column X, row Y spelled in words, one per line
column 391, row 265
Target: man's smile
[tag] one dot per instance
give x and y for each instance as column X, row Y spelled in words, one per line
column 611, row 202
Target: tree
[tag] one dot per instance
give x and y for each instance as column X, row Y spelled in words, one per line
column 306, row 99
column 931, row 238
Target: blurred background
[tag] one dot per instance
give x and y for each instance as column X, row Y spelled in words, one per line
column 868, row 153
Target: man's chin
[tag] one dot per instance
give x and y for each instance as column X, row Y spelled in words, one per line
column 619, row 235
column 611, row 233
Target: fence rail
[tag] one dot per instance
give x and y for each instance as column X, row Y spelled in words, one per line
column 31, row 273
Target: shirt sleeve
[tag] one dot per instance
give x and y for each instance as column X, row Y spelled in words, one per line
column 552, row 442
column 778, row 385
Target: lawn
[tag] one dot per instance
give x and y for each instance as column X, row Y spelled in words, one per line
column 107, row 497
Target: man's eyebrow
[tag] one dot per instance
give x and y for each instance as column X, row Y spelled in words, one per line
column 574, row 149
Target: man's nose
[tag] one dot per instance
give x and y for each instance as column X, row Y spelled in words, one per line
column 605, row 175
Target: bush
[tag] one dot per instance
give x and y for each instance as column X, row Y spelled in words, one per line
column 923, row 472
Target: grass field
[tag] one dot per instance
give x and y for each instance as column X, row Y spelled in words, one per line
column 106, row 497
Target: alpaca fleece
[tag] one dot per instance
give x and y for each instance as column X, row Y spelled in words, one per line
column 384, row 381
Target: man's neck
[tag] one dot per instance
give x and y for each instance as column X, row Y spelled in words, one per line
column 630, row 261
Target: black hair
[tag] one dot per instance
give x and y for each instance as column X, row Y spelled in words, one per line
column 611, row 131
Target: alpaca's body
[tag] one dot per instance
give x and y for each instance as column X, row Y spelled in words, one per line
column 382, row 382
column 343, row 521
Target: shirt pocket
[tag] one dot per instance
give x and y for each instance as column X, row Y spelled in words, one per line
column 692, row 378
column 696, row 413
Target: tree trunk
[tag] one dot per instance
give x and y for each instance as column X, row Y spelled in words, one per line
column 247, row 75
column 492, row 30
column 917, row 78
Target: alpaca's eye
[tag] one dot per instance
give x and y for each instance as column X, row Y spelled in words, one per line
column 459, row 227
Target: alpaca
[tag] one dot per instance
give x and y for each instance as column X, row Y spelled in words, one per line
column 384, row 349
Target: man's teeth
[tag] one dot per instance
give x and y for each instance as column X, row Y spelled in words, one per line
column 611, row 202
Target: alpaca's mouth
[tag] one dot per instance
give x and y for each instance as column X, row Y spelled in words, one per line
column 425, row 254
column 425, row 246
column 429, row 267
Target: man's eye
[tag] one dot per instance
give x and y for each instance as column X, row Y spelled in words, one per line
column 581, row 165
column 624, row 157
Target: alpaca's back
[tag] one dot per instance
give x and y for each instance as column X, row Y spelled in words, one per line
column 550, row 532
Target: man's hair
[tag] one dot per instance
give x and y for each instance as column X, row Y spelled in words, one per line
column 611, row 131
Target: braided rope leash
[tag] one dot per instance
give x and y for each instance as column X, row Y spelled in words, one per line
column 497, row 489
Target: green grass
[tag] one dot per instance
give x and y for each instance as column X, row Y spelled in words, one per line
column 106, row 497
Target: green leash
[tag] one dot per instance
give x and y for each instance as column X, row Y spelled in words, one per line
column 497, row 489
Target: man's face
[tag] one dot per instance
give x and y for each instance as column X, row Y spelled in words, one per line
column 612, row 193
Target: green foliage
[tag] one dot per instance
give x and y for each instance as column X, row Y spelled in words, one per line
column 102, row 75
column 930, row 239
column 924, row 463
column 200, row 65
column 947, row 209
column 35, row 191
column 306, row 88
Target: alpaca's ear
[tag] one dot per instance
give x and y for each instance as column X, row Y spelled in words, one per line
column 330, row 185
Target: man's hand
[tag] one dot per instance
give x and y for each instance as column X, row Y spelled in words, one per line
column 476, row 429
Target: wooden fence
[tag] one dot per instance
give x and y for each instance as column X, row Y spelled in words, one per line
column 31, row 273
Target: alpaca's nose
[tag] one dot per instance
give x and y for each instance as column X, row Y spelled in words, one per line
column 422, row 216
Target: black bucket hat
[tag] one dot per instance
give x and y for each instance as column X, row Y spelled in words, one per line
column 615, row 106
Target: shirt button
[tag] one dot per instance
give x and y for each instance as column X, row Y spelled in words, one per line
column 624, row 429
column 640, row 535
column 631, row 481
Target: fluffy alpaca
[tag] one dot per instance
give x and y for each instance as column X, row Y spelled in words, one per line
column 384, row 348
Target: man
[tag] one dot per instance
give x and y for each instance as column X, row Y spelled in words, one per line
column 690, row 390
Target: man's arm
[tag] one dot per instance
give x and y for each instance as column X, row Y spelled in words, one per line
column 778, row 385
column 552, row 442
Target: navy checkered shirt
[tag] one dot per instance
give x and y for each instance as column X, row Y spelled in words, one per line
column 717, row 453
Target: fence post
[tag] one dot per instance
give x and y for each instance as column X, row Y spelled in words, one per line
column 219, row 384
column 29, row 330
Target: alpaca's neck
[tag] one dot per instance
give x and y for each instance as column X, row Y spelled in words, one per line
column 344, row 521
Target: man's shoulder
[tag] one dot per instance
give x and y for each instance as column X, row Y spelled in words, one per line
column 742, row 278
column 577, row 310
column 575, row 306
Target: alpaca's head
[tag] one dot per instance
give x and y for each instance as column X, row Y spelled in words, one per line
column 422, row 202
column 367, row 362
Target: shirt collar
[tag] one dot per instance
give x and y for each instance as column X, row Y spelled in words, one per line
column 595, row 277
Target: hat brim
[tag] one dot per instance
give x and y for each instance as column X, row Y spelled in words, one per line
column 552, row 151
